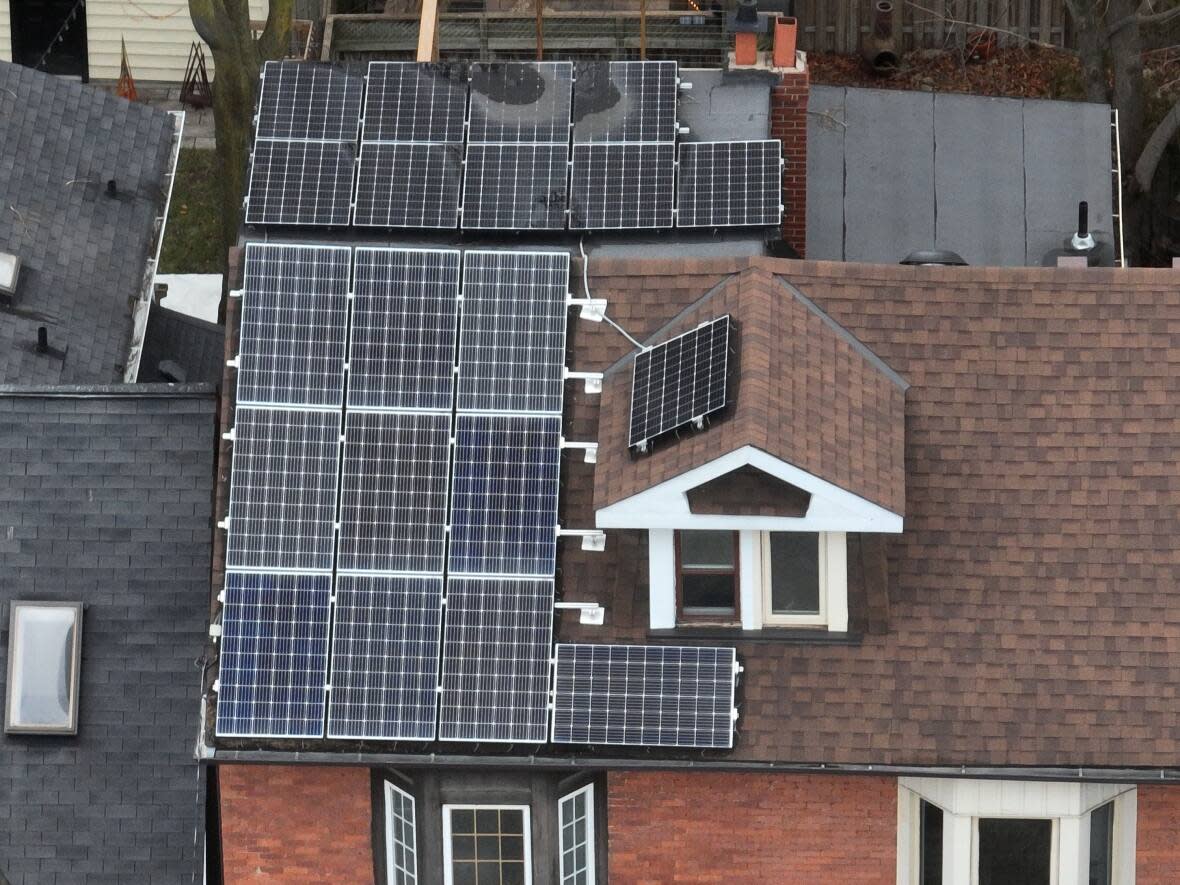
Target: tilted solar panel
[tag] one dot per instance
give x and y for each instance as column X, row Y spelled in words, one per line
column 515, row 186
column 512, row 342
column 644, row 695
column 404, row 323
column 526, row 101
column 308, row 101
column 730, row 183
column 294, row 325
column 274, row 651
column 412, row 101
column 409, row 185
column 679, row 380
column 615, row 186
column 385, row 644
column 622, row 101
column 393, row 493
column 300, row 183
column 496, row 648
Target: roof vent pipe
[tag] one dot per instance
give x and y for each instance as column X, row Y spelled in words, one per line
column 42, row 339
column 112, row 189
column 1083, row 240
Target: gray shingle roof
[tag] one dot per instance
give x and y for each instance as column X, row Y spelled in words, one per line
column 83, row 253
column 106, row 500
column 197, row 347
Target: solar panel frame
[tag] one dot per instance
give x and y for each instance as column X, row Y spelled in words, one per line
column 660, row 398
column 644, row 695
column 504, row 495
column 497, row 644
column 625, row 101
column 415, row 102
column 294, row 323
column 278, row 453
column 274, row 650
column 515, row 186
column 385, row 657
column 408, row 185
column 513, row 336
column 622, row 186
column 405, row 317
column 544, row 119
column 296, row 101
column 393, row 492
column 729, row 183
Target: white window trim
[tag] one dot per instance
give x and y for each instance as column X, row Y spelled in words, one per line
column 965, row 801
column 833, row 585
column 448, row 870
column 390, row 864
column 590, row 835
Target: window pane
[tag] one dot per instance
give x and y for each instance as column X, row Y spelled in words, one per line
column 1014, row 852
column 706, row 550
column 794, row 573
column 708, row 593
column 400, row 837
column 1101, row 844
column 42, row 678
column 577, row 837
column 931, row 845
column 495, row 848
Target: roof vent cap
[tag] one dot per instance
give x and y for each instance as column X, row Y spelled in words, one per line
column 9, row 271
column 927, row 257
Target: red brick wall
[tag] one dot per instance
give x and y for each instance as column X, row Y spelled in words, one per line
column 293, row 824
column 788, row 123
column 751, row 828
column 1157, row 828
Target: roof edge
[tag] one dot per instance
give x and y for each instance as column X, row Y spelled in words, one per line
column 93, row 391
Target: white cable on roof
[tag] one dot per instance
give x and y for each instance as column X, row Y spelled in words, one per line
column 586, row 286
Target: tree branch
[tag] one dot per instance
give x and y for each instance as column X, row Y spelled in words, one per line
column 276, row 36
column 1145, row 17
column 210, row 21
column 1153, row 151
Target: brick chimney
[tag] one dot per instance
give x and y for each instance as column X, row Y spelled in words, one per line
column 788, row 123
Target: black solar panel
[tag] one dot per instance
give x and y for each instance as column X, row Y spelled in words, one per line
column 521, row 102
column 496, row 648
column 729, row 183
column 615, row 186
column 294, row 325
column 652, row 696
column 515, row 186
column 408, row 101
column 625, row 101
column 679, row 380
column 409, row 185
column 504, row 495
column 274, row 651
column 385, row 644
column 512, row 344
column 308, row 100
column 393, row 495
column 404, row 318
column 300, row 183
column 282, row 499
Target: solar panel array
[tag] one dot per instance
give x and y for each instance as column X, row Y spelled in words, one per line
column 679, row 380
column 644, row 695
column 499, row 146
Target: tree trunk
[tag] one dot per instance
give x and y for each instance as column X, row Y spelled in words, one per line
column 1092, row 43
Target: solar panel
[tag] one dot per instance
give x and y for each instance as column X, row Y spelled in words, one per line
column 393, row 495
column 521, row 102
column 729, row 183
column 274, row 651
column 409, row 101
column 512, row 344
column 404, row 318
column 504, row 495
column 385, row 644
column 679, row 380
column 614, row 186
column 515, row 186
column 652, row 696
column 308, row 100
column 282, row 497
column 408, row 185
column 294, row 325
column 300, row 182
column 496, row 651
column 625, row 101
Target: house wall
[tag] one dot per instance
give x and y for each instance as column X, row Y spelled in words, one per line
column 751, row 828
column 158, row 34
column 1157, row 851
column 289, row 823
column 5, row 32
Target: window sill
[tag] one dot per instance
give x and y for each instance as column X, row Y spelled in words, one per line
column 782, row 635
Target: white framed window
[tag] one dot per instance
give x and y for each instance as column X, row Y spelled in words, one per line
column 798, row 576
column 44, row 659
column 576, row 824
column 401, row 839
column 972, row 832
column 487, row 845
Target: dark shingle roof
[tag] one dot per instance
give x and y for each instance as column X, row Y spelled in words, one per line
column 197, row 347
column 83, row 253
column 107, row 500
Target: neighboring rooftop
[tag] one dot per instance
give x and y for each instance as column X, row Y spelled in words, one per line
column 84, row 253
column 178, row 347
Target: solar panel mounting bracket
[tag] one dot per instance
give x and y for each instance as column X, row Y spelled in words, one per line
column 228, row 435
column 684, row 85
column 592, row 309
column 682, row 130
column 235, row 293
column 590, row 449
column 592, row 539
column 214, row 632
column 593, row 380
column 588, row 612
column 223, row 524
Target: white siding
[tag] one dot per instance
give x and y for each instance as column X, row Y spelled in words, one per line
column 158, row 35
column 5, row 32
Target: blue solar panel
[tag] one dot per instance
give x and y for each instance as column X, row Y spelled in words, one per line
column 385, row 642
column 504, row 495
column 274, row 652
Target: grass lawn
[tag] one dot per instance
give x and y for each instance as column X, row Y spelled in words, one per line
column 192, row 239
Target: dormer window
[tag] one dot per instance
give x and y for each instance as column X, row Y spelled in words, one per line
column 708, row 576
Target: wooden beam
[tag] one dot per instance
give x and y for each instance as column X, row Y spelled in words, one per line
column 540, row 30
column 643, row 30
column 428, row 31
